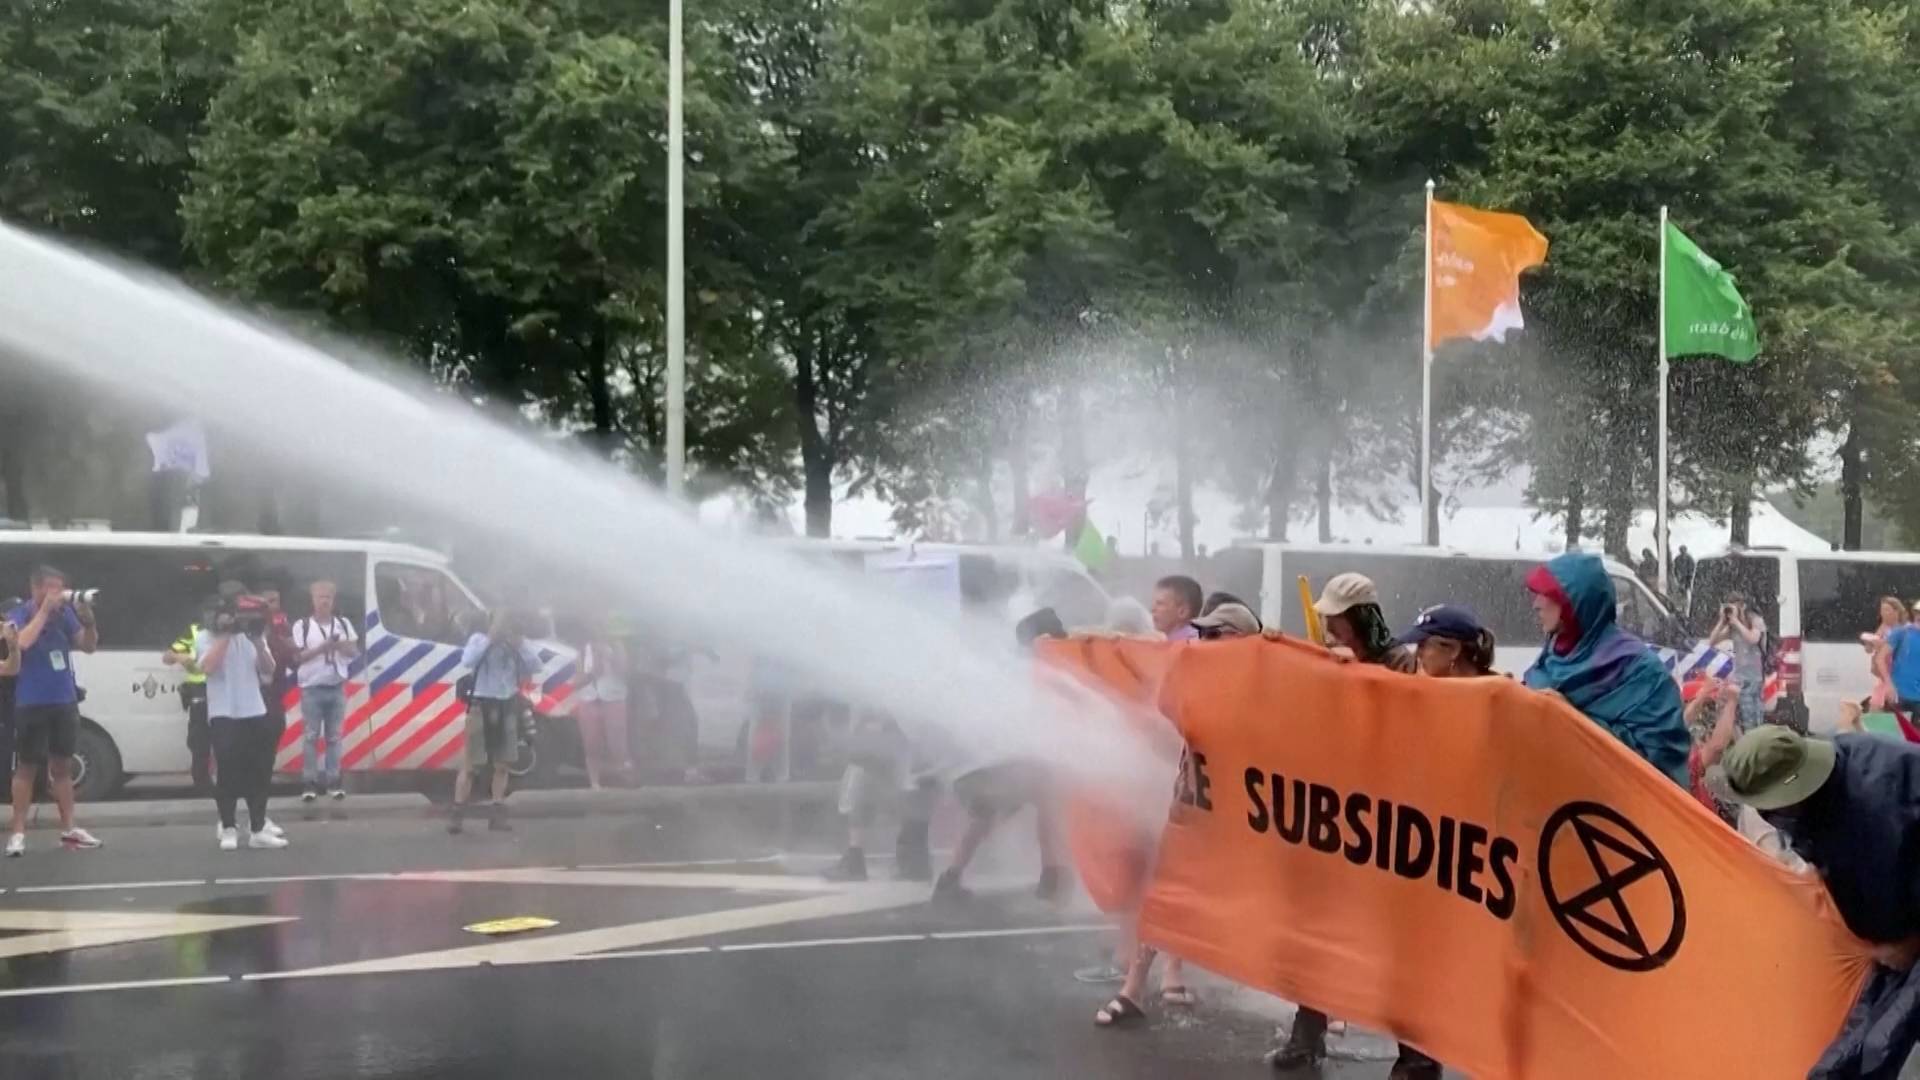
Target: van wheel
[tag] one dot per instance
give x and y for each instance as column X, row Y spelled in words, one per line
column 96, row 765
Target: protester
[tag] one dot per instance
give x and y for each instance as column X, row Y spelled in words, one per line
column 46, row 706
column 1217, row 598
column 193, row 698
column 1129, row 617
column 994, row 793
column 880, row 776
column 238, row 661
column 1746, row 631
column 1648, row 569
column 1176, row 603
column 602, row 713
column 1227, row 621
column 279, row 639
column 1851, row 809
column 1449, row 642
column 324, row 646
column 1600, row 669
column 9, row 669
column 1682, row 572
column 1900, row 658
column 1710, row 738
column 1350, row 604
column 500, row 661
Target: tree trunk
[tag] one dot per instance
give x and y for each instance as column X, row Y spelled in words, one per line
column 988, row 511
column 598, row 394
column 1018, row 464
column 1617, row 511
column 1852, row 510
column 1073, row 444
column 1741, row 517
column 1576, row 511
column 1280, row 486
column 816, row 457
column 1182, row 479
column 1323, row 494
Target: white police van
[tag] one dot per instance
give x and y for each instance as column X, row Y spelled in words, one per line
column 402, row 712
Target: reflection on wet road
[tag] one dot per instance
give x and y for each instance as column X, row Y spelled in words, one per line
column 679, row 952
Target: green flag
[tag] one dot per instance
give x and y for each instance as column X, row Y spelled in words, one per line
column 1705, row 313
column 1091, row 548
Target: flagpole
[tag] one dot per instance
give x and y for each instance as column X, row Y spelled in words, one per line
column 1429, row 533
column 1660, row 508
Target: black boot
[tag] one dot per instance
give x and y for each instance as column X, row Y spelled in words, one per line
column 948, row 889
column 454, row 824
column 1306, row 1045
column 1049, row 887
column 1414, row 1065
column 851, row 867
column 912, row 860
column 497, row 819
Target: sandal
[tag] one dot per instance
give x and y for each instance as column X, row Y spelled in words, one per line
column 1178, row 997
column 1120, row 1012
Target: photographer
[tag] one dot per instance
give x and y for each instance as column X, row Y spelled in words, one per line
column 1747, row 633
column 236, row 658
column 46, row 712
column 324, row 644
column 500, row 661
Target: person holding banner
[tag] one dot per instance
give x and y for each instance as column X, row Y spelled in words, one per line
column 1600, row 669
column 1450, row 643
column 1350, row 604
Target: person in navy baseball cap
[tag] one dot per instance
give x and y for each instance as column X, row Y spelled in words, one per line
column 1450, row 642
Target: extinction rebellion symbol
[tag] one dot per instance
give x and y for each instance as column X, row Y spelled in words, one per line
column 1610, row 889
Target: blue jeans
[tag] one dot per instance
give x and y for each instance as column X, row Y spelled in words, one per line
column 323, row 709
column 1752, row 711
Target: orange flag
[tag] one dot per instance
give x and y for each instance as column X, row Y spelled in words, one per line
column 1474, row 867
column 1475, row 277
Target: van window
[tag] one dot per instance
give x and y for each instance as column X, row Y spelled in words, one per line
column 1840, row 600
column 421, row 602
column 1639, row 615
column 1715, row 577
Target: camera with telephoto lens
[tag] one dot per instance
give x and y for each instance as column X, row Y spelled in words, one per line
column 80, row 596
column 241, row 615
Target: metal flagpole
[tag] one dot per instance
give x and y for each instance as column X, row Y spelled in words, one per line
column 676, row 262
column 1660, row 509
column 1429, row 532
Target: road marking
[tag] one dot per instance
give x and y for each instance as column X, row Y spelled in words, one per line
column 92, row 988
column 114, row 885
column 289, row 879
column 641, row 954
column 59, row 931
column 627, row 879
column 969, row 935
column 814, row 943
column 547, row 948
column 756, row 860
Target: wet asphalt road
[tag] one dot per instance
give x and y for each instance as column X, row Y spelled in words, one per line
column 691, row 952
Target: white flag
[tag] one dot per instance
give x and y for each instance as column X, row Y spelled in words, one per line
column 180, row 448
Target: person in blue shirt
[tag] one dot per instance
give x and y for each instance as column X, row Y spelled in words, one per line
column 46, row 703
column 500, row 661
column 1902, row 644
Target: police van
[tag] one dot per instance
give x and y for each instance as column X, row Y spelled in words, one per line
column 412, row 610
column 1817, row 606
column 1410, row 579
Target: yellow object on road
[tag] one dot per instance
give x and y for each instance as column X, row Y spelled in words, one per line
column 519, row 924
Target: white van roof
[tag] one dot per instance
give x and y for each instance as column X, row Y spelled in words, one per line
column 234, row 541
column 1423, row 552
column 1821, row 556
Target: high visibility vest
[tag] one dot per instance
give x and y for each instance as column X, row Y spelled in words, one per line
column 184, row 647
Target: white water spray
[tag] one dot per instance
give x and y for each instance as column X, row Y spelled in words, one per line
column 967, row 699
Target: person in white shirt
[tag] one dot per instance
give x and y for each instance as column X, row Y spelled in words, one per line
column 237, row 663
column 602, row 714
column 324, row 645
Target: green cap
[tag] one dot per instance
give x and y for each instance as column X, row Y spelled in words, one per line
column 1771, row 767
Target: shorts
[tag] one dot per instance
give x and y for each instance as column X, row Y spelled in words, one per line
column 493, row 732
column 1001, row 789
column 43, row 731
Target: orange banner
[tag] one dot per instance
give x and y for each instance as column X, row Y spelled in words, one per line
column 1475, row 277
column 1473, row 867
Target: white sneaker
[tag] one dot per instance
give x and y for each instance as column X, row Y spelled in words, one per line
column 229, row 839
column 266, row 840
column 274, row 830
column 16, row 845
column 79, row 839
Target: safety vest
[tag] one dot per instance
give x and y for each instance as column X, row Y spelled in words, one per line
column 184, row 647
